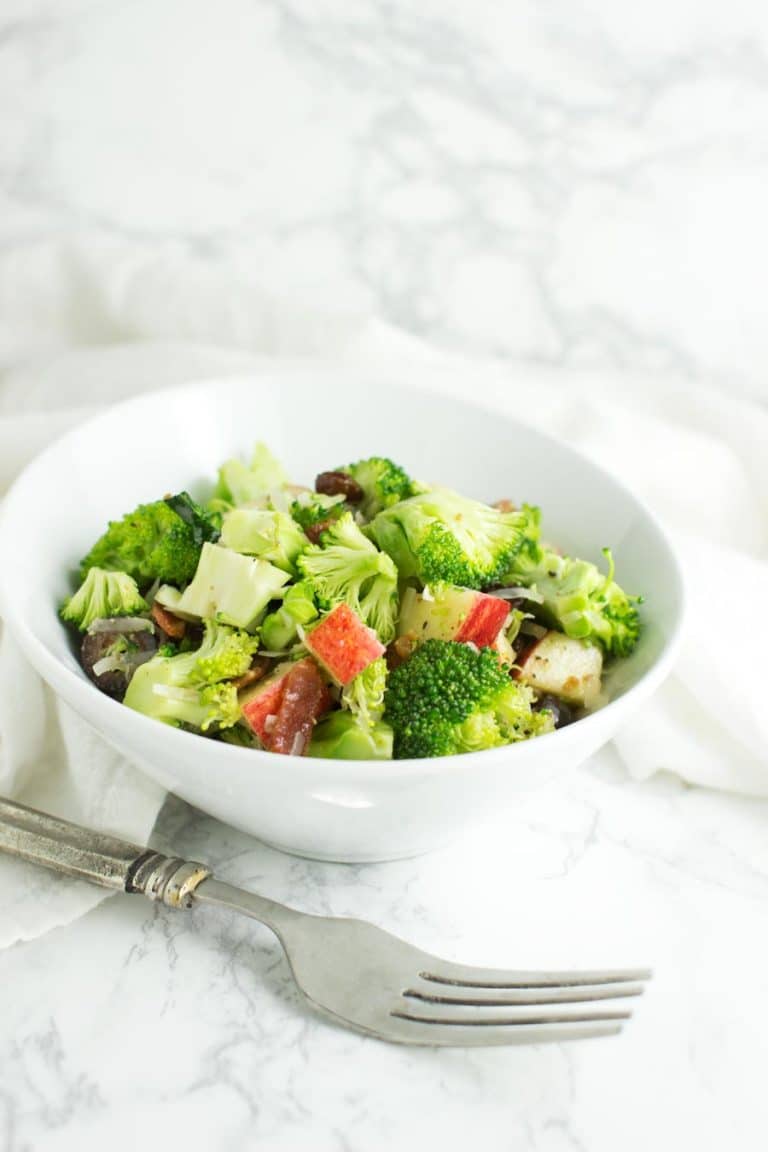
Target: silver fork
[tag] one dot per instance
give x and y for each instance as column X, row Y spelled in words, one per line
column 349, row 970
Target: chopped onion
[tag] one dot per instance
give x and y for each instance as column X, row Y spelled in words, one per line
column 109, row 664
column 270, row 721
column 125, row 662
column 299, row 743
column 518, row 594
column 121, row 624
column 531, row 628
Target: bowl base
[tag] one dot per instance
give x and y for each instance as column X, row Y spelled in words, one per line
column 410, row 853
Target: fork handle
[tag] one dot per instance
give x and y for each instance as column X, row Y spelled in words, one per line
column 96, row 857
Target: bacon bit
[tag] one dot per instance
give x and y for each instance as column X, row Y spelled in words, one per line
column 256, row 672
column 172, row 625
column 399, row 651
column 315, row 531
column 305, row 698
column 505, row 505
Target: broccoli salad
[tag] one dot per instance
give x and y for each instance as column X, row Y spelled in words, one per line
column 372, row 618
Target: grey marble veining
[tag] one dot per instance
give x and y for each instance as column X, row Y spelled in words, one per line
column 570, row 184
column 139, row 1024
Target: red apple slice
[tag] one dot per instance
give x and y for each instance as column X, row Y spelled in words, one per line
column 343, row 644
column 263, row 700
column 450, row 613
column 487, row 616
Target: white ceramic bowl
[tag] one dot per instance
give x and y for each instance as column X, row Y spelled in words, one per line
column 312, row 419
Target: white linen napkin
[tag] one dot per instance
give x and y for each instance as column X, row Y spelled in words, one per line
column 696, row 456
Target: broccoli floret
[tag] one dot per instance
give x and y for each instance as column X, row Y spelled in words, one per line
column 159, row 541
column 364, row 696
column 341, row 737
column 188, row 689
column 102, row 595
column 346, row 568
column 224, row 654
column 383, row 482
column 281, row 628
column 273, row 536
column 442, row 536
column 310, row 508
column 449, row 698
column 579, row 599
column 199, row 521
column 214, row 706
column 241, row 483
column 229, row 587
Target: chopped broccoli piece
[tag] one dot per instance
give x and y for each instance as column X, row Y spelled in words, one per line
column 383, row 482
column 240, row 483
column 341, row 737
column 214, row 706
column 364, row 696
column 201, row 523
column 346, row 568
column 154, row 542
column 229, row 587
column 224, row 654
column 449, row 698
column 280, row 628
column 310, row 508
column 273, row 536
column 516, row 618
column 102, row 595
column 188, row 689
column 442, row 536
column 579, row 599
column 122, row 645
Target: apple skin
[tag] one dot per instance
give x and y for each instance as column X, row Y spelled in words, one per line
column 343, row 645
column 485, row 621
column 452, row 613
column 263, row 700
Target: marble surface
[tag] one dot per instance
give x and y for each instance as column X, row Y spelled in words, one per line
column 577, row 185
column 569, row 183
column 141, row 1027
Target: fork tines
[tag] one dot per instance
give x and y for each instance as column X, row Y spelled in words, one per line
column 466, row 1005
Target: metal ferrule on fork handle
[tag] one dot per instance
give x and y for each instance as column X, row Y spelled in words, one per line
column 167, row 878
column 96, row 857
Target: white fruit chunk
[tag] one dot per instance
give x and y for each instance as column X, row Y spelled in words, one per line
column 564, row 667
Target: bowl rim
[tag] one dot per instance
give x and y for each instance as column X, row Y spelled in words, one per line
column 87, row 701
